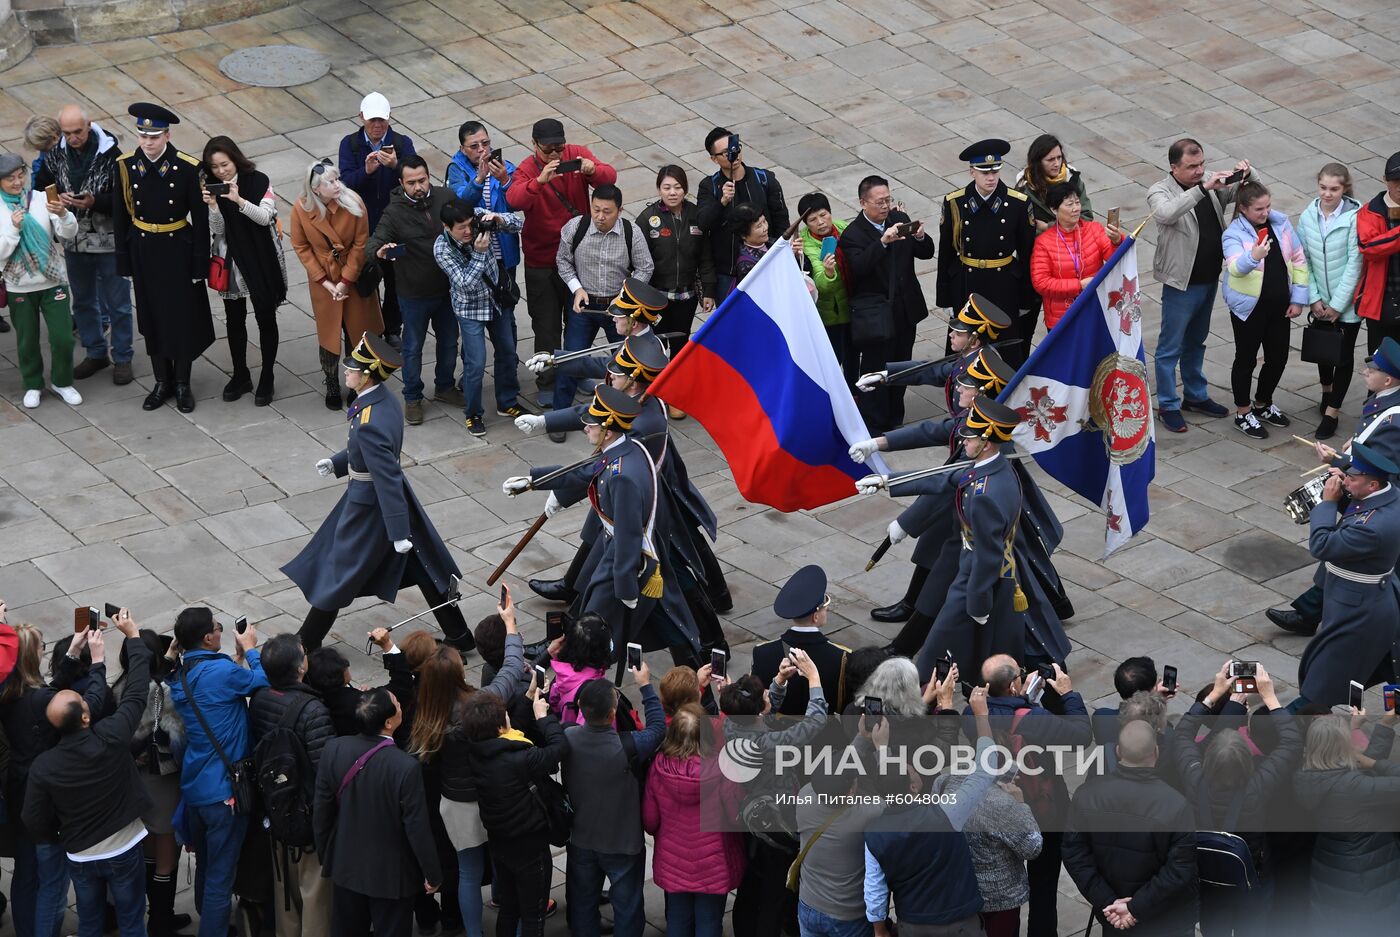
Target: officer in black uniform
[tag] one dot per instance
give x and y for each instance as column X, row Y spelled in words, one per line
column 984, row 244
column 377, row 539
column 804, row 601
column 162, row 242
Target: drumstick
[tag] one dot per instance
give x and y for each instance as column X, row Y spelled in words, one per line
column 1314, row 471
column 1306, row 442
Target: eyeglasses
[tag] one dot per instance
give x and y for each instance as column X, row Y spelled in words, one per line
column 551, row 147
column 320, row 169
column 885, row 202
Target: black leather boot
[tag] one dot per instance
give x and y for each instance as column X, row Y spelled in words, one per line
column 555, row 590
column 184, row 398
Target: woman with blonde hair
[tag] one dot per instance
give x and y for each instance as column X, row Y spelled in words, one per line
column 329, row 231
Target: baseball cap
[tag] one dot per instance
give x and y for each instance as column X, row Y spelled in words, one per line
column 374, row 106
column 547, row 130
column 1392, row 167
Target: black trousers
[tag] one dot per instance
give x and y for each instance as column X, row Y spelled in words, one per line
column 523, row 871
column 1267, row 329
column 1338, row 377
column 393, row 319
column 355, row 915
column 883, row 408
column 1379, row 330
column 454, row 627
column 763, row 906
column 236, row 318
column 171, row 370
column 1044, row 874
column 678, row 316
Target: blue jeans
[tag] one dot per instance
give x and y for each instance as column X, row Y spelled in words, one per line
column 125, row 876
column 584, row 886
column 471, row 866
column 474, row 333
column 580, row 328
column 217, row 839
column 39, row 890
column 417, row 314
column 100, row 299
column 689, row 914
column 1185, row 326
column 813, row 923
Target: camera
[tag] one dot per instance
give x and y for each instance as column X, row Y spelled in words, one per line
column 732, row 153
column 483, row 225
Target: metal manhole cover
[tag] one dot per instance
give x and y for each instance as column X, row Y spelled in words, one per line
column 279, row 66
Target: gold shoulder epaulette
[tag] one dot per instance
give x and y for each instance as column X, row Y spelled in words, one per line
column 1014, row 193
column 839, row 647
column 127, row 155
column 364, row 414
column 954, row 196
column 187, row 158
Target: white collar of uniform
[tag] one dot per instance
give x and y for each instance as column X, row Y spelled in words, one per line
column 644, row 330
column 1380, row 492
column 982, row 462
column 367, row 393
column 1387, row 392
column 615, row 443
column 813, row 629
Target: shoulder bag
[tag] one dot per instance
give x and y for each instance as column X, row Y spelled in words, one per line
column 359, row 766
column 242, row 774
column 553, row 800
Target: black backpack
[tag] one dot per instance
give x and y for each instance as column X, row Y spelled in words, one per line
column 283, row 769
column 1223, row 859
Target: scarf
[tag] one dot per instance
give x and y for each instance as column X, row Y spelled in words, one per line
column 1062, row 177
column 33, row 250
column 515, row 735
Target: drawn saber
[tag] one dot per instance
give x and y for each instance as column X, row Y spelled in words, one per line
column 599, row 349
column 928, row 364
column 454, row 595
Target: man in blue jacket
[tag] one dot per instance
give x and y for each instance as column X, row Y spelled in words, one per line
column 210, row 691
column 481, row 182
column 369, row 164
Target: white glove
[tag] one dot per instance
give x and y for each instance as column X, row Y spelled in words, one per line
column 538, row 363
column 528, row 423
column 868, row 382
column 896, row 533
column 514, row 485
column 862, row 450
column 325, row 468
column 870, row 484
column 552, row 505
column 403, row 546
column 630, row 603
column 980, row 619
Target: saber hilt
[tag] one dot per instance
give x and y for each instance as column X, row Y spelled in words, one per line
column 599, row 349
column 928, row 364
column 879, row 554
column 454, row 595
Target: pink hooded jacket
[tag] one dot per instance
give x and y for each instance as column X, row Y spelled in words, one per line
column 689, row 856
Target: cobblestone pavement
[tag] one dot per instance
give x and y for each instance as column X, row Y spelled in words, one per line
column 157, row 510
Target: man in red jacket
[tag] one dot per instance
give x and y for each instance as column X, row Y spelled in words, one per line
column 551, row 186
column 1378, row 230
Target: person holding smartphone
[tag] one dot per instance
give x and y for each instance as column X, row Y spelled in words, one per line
column 480, row 176
column 804, row 601
column 821, row 234
column 1266, row 287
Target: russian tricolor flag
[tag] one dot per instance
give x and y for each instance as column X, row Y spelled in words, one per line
column 761, row 377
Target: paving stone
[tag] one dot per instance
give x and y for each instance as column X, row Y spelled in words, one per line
column 85, row 567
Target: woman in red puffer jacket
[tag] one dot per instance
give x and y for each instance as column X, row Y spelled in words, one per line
column 696, row 866
column 1068, row 253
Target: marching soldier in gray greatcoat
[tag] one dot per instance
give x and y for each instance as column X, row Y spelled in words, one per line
column 377, row 538
column 1358, row 547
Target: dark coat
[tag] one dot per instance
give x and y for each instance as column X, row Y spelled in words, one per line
column 314, row 725
column 680, row 250
column 1355, row 867
column 373, row 188
column 876, row 270
column 1359, row 631
column 1132, row 836
column 27, row 731
column 387, row 848
column 504, row 769
column 352, row 553
column 829, row 657
column 417, row 226
column 167, row 269
column 993, row 233
column 759, row 188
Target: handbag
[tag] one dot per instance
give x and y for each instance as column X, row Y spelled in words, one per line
column 218, row 274
column 505, row 292
column 242, row 774
column 553, row 800
column 368, row 282
column 1322, row 341
column 872, row 317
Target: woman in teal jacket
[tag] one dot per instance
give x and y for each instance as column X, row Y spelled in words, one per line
column 832, row 305
column 1327, row 230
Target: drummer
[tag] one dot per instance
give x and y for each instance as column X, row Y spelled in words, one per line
column 1379, row 429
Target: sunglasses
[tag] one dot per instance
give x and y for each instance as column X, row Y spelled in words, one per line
column 320, row 169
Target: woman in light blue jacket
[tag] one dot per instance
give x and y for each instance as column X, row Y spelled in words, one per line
column 1327, row 229
column 1266, row 285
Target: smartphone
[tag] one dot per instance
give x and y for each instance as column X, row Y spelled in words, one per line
column 1047, row 672
column 1357, row 691
column 395, row 252
column 505, row 595
column 718, row 663
column 495, row 157
column 634, row 657
column 1236, row 176
column 542, row 678
column 112, row 611
column 1243, row 673
column 874, row 706
column 1263, row 235
column 553, row 625
column 86, row 618
column 906, row 228
column 388, row 148
column 569, row 165
column 828, row 247
column 216, row 188
column 51, row 193
column 1113, row 217
column 240, row 624
column 1169, row 678
column 1035, row 687
column 942, row 667
column 1388, row 696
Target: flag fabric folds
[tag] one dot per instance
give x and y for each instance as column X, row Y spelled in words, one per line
column 1085, row 402
column 761, row 377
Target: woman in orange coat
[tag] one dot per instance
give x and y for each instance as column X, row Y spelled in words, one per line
column 329, row 231
column 1068, row 253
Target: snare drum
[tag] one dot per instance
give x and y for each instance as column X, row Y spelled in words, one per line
column 1299, row 503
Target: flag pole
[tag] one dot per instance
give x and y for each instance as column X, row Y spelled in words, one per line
column 1140, row 227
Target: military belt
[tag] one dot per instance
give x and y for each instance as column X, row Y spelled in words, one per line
column 151, row 228
column 1370, row 579
column 981, row 264
column 357, row 476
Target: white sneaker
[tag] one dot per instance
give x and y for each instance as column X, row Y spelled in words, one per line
column 31, row 399
column 69, row 395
